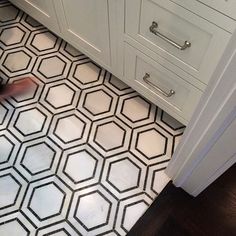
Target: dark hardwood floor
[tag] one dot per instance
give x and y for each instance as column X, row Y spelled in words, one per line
column 174, row 212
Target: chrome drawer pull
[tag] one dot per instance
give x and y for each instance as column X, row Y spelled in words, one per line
column 171, row 92
column 153, row 29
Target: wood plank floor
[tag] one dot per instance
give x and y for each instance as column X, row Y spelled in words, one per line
column 174, row 212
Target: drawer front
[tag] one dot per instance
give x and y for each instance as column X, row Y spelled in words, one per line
column 175, row 26
column 164, row 88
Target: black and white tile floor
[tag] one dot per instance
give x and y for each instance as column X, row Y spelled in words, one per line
column 81, row 153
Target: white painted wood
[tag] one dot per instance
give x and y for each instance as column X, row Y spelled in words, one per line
column 182, row 102
column 213, row 115
column 199, row 7
column 85, row 24
column 43, row 11
column 170, row 66
column 208, row 41
column 228, row 7
column 221, row 154
column 116, row 18
column 98, row 30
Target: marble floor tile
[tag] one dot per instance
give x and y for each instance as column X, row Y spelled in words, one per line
column 81, row 153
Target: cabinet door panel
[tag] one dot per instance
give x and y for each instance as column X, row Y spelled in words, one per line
column 42, row 10
column 85, row 23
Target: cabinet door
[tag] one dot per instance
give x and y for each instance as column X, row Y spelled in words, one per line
column 85, row 24
column 43, row 11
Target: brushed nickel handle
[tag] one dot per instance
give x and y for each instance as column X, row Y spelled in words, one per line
column 153, row 29
column 171, row 92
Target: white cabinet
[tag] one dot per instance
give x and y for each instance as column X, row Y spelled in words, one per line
column 85, row 24
column 174, row 26
column 43, row 11
column 178, row 44
column 154, row 81
column 116, row 34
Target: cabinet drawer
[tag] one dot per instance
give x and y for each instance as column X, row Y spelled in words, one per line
column 156, row 82
column 175, row 25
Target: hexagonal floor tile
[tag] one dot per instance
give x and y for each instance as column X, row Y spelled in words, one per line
column 29, row 95
column 60, row 232
column 41, row 41
column 22, row 59
column 135, row 111
column 12, row 36
column 44, row 41
column 17, row 62
column 68, row 163
column 159, row 180
column 15, row 224
column 60, row 229
column 30, row 121
column 9, row 147
column 80, row 166
column 171, row 122
column 54, row 96
column 99, row 217
column 10, row 188
column 124, row 175
column 176, row 140
column 132, row 213
column 38, row 158
column 6, row 147
column 105, row 141
column 13, row 188
column 70, row 128
column 156, row 178
column 70, row 52
column 52, row 67
column 151, row 143
column 117, row 83
column 6, row 111
column 8, row 14
column 52, row 100
column 87, row 72
column 96, row 202
column 97, row 102
column 130, row 210
column 110, row 136
column 13, row 227
column 32, row 22
column 46, row 201
column 3, row 113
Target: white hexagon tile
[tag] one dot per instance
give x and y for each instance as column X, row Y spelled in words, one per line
column 81, row 152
